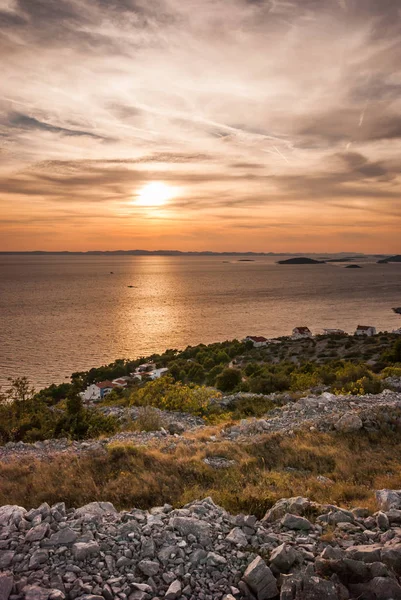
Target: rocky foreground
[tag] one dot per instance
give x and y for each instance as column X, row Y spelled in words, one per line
column 299, row 551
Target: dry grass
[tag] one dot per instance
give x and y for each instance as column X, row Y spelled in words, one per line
column 278, row 466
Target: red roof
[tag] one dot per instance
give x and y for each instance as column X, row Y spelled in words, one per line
column 365, row 327
column 257, row 338
column 105, row 384
column 302, row 329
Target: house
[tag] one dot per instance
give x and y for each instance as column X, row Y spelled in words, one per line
column 365, row 330
column 148, row 371
column 299, row 333
column 157, row 373
column 97, row 391
column 145, row 368
column 121, row 381
column 333, row 332
column 257, row 340
column 397, row 331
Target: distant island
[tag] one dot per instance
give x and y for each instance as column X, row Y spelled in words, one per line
column 300, row 260
column 353, row 267
column 390, row 259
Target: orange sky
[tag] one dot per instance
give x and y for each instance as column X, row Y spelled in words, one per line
column 275, row 125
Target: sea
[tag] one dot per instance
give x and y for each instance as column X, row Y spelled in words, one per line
column 66, row 313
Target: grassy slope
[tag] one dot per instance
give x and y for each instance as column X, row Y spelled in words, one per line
column 143, row 477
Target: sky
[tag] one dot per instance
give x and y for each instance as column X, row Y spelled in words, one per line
column 243, row 125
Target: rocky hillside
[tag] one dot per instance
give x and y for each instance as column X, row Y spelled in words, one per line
column 300, row 550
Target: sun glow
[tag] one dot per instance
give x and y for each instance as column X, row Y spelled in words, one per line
column 156, row 193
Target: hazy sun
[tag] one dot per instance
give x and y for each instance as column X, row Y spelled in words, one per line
column 156, row 193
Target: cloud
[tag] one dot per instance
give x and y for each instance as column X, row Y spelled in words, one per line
column 266, row 109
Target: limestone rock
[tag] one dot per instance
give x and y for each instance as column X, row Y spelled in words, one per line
column 96, row 509
column 294, row 522
column 237, row 537
column 349, row 422
column 283, row 557
column 295, row 506
column 388, row 499
column 260, row 579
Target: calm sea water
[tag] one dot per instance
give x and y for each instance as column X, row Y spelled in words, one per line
column 60, row 314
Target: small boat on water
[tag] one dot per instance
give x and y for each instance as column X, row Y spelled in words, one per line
column 130, row 286
column 397, row 310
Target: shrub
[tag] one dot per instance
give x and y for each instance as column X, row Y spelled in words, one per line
column 149, row 419
column 228, row 380
column 166, row 394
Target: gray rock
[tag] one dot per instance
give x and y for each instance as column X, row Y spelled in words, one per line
column 283, row 557
column 96, row 509
column 388, row 499
column 367, row 554
column 6, row 585
column 37, row 533
column 6, row 558
column 174, row 590
column 348, row 423
column 189, row 526
column 63, row 537
column 11, row 514
column 382, row 521
column 237, row 537
column 149, row 567
column 379, row 588
column 294, row 522
column 83, row 550
column 38, row 558
column 260, row 579
column 295, row 506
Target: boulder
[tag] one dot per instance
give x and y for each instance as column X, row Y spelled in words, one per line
column 283, row 557
column 306, row 586
column 348, row 423
column 63, row 537
column 11, row 514
column 237, row 537
column 37, row 533
column 388, row 499
column 379, row 588
column 294, row 522
column 295, row 506
column 96, row 509
column 188, row 525
column 367, row 554
column 260, row 579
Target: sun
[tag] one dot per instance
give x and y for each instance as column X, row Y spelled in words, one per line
column 156, row 193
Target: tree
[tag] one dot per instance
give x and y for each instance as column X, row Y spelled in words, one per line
column 228, row 380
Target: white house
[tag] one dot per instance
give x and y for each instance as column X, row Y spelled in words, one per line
column 257, row 340
column 333, row 332
column 365, row 330
column 301, row 332
column 397, row 331
column 97, row 391
column 157, row 373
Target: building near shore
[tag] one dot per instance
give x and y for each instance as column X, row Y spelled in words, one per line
column 367, row 330
column 299, row 333
column 258, row 341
